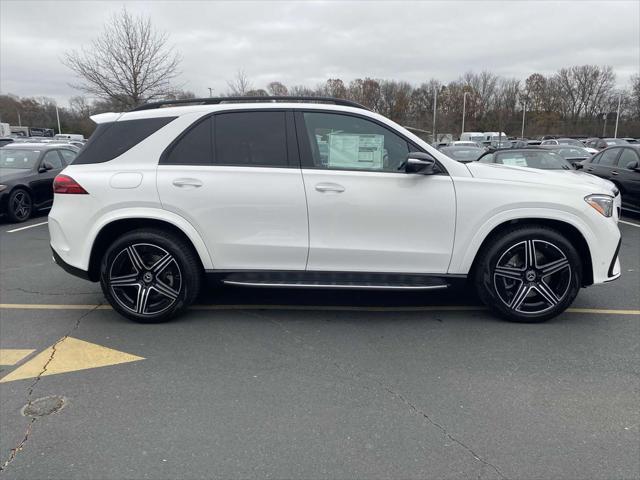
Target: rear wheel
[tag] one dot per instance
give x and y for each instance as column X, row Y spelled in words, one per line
column 150, row 276
column 19, row 205
column 529, row 274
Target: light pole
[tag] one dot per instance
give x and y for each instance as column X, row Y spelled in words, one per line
column 210, row 91
column 435, row 107
column 524, row 111
column 464, row 110
column 604, row 127
column 58, row 117
column 19, row 119
column 615, row 135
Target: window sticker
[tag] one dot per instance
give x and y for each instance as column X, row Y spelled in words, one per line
column 515, row 162
column 355, row 151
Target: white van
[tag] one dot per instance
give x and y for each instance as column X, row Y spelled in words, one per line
column 70, row 136
column 477, row 137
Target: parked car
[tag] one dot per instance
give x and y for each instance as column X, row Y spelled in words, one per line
column 27, row 171
column 573, row 155
column 477, row 137
column 632, row 141
column 5, row 141
column 466, row 143
column 159, row 198
column 543, row 159
column 602, row 143
column 621, row 165
column 462, row 153
column 568, row 141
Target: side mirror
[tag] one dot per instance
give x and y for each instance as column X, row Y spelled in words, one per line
column 419, row 162
column 45, row 167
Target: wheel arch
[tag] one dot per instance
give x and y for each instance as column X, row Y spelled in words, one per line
column 114, row 228
column 571, row 232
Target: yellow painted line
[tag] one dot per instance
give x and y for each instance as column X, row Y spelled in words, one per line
column 428, row 308
column 11, row 356
column 71, row 355
column 603, row 311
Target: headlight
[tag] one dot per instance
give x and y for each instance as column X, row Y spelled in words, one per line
column 602, row 203
column 3, row 188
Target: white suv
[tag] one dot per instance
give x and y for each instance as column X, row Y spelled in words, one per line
column 323, row 194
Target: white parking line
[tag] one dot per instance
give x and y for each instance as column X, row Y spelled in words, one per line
column 28, row 226
column 629, row 223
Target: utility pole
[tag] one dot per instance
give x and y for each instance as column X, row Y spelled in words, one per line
column 615, row 135
column 464, row 110
column 524, row 111
column 435, row 107
column 604, row 128
column 210, row 91
column 58, row 117
column 19, row 119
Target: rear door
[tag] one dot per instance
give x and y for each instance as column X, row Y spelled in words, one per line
column 235, row 176
column 365, row 213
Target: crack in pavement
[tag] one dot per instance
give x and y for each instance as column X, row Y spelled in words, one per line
column 416, row 410
column 19, row 447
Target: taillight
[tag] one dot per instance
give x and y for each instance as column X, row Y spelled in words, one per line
column 66, row 184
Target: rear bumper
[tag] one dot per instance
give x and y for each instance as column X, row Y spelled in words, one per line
column 69, row 268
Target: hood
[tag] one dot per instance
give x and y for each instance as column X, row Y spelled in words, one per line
column 561, row 178
column 8, row 174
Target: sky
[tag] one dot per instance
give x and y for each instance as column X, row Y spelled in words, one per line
column 305, row 43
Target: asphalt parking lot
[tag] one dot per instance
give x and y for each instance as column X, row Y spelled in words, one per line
column 289, row 384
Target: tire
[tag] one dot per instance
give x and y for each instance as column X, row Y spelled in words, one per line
column 524, row 288
column 150, row 276
column 19, row 205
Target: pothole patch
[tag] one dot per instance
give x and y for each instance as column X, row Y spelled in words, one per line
column 44, row 406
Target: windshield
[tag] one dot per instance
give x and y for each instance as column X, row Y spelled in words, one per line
column 18, row 158
column 541, row 160
column 463, row 154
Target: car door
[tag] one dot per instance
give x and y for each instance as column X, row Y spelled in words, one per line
column 627, row 177
column 365, row 213
column 235, row 176
column 603, row 163
column 42, row 183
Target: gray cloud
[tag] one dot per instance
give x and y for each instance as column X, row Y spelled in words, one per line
column 308, row 42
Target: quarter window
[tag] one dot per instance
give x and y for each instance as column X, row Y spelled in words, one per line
column 256, row 139
column 194, row 147
column 346, row 142
column 68, row 156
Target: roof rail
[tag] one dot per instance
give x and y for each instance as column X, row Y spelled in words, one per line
column 219, row 100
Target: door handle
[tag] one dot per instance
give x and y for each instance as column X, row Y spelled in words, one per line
column 614, row 173
column 329, row 187
column 187, row 182
column 590, row 169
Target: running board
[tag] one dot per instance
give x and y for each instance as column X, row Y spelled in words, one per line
column 337, row 280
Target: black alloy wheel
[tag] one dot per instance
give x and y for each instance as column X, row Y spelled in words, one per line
column 20, row 205
column 530, row 274
column 150, row 276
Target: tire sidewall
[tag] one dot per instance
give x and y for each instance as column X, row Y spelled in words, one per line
column 484, row 274
column 171, row 245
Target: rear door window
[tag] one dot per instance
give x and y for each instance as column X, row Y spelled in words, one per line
column 68, row 156
column 608, row 158
column 251, row 139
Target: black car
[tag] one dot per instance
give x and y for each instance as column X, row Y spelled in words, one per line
column 462, row 153
column 573, row 155
column 602, row 143
column 621, row 165
column 27, row 171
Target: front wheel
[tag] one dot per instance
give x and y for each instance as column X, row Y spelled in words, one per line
column 19, row 205
column 529, row 274
column 150, row 276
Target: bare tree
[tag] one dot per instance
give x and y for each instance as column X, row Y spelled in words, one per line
column 240, row 85
column 277, row 89
column 129, row 63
